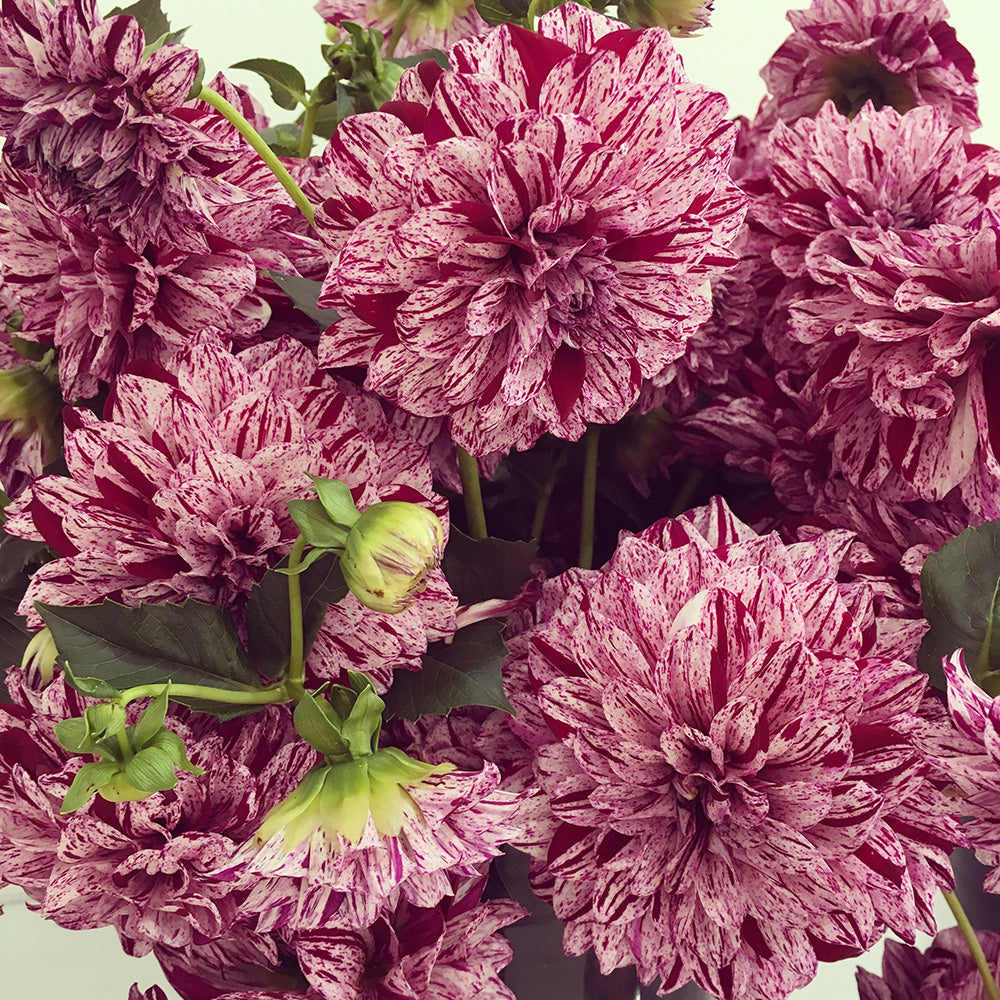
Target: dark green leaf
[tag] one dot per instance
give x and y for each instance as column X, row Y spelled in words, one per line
column 330, row 115
column 304, row 294
column 283, row 140
column 167, row 38
column 14, row 634
column 464, row 672
column 268, row 624
column 288, row 86
column 491, row 568
column 151, row 18
column 960, row 585
column 189, row 643
column 16, row 554
column 500, row 12
column 441, row 58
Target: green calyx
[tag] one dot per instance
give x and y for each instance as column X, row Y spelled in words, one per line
column 346, row 724
column 341, row 798
column 135, row 761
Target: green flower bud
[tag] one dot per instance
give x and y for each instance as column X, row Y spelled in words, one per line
column 340, row 799
column 389, row 553
column 680, row 17
column 30, row 398
column 40, row 654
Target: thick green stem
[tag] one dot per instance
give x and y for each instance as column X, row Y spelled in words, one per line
column 591, row 441
column 263, row 696
column 472, row 494
column 973, row 942
column 308, row 124
column 262, row 149
column 529, row 18
column 398, row 25
column 296, row 676
column 126, row 747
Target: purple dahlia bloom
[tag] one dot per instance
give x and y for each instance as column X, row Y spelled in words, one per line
column 724, row 737
column 81, row 104
column 432, row 24
column 519, row 241
column 880, row 170
column 899, row 53
column 454, row 823
column 450, row 951
column 104, row 304
column 143, row 867
column 182, row 492
column 945, row 971
column 902, row 342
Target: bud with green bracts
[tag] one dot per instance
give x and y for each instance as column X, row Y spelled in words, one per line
column 389, row 553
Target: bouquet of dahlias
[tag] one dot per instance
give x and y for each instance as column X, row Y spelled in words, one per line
column 312, row 434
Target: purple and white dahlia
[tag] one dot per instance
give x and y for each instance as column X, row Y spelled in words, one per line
column 897, row 53
column 520, row 241
column 945, row 971
column 182, row 492
column 724, row 737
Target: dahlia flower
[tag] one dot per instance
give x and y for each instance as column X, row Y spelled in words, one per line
column 518, row 242
column 300, row 874
column 901, row 342
column 142, row 867
column 723, row 736
column 104, row 304
column 437, row 24
column 972, row 762
column 450, row 951
column 182, row 492
column 899, row 53
column 880, row 170
column 82, row 104
column 945, row 971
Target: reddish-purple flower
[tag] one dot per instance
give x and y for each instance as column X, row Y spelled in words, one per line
column 945, row 971
column 81, row 104
column 183, row 491
column 143, row 867
column 724, row 736
column 433, row 24
column 518, row 242
column 899, row 53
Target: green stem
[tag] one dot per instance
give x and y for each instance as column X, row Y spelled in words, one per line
column 591, row 441
column 529, row 18
column 542, row 508
column 262, row 149
column 973, row 942
column 263, row 696
column 472, row 494
column 123, row 742
column 308, row 124
column 398, row 25
column 295, row 679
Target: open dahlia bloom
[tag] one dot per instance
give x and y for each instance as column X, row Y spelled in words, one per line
column 451, row 825
column 182, row 492
column 519, row 241
column 724, row 736
column 902, row 341
column 81, row 103
column 900, row 53
column 143, row 867
column 945, row 971
column 431, row 24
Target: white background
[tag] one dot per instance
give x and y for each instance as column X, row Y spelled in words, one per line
column 44, row 962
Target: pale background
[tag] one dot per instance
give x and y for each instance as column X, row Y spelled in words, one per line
column 40, row 960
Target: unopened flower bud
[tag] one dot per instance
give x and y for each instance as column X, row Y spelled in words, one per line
column 39, row 659
column 30, row 398
column 681, row 17
column 389, row 554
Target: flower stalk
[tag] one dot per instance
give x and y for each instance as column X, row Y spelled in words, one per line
column 262, row 149
column 968, row 932
column 295, row 678
column 472, row 494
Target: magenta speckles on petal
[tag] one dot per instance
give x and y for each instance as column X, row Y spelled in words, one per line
column 543, row 243
column 723, row 737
